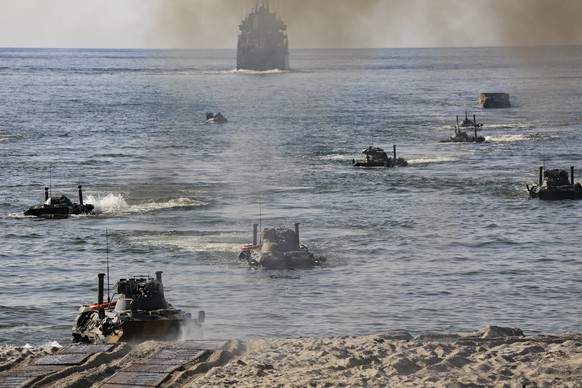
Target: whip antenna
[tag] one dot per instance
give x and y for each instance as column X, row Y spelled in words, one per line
column 107, row 258
column 260, row 216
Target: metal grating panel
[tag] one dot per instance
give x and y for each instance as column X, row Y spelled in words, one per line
column 86, row 348
column 31, row 371
column 136, row 379
column 63, row 359
column 15, row 382
column 152, row 368
column 203, row 344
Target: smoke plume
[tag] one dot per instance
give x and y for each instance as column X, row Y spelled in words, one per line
column 311, row 23
column 379, row 23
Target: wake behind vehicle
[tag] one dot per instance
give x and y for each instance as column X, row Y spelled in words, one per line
column 140, row 313
column 555, row 185
column 59, row 207
column 279, row 248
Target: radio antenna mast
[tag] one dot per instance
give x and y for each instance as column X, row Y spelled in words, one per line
column 260, row 216
column 107, row 258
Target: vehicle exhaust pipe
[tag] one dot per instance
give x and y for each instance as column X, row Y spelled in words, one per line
column 297, row 234
column 541, row 176
column 80, row 196
column 572, row 173
column 159, row 276
column 46, row 193
column 255, row 233
column 101, row 276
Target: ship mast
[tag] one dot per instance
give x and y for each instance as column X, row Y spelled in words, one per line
column 264, row 3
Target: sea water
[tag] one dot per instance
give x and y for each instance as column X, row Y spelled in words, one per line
column 450, row 243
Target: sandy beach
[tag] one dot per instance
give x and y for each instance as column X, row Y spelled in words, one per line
column 493, row 356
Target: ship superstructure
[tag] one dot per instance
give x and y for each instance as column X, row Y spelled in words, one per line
column 262, row 41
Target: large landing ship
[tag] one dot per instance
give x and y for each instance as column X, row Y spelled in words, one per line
column 262, row 41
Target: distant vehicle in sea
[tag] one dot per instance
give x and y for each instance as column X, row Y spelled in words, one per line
column 262, row 41
column 555, row 185
column 377, row 157
column 59, row 207
column 461, row 136
column 140, row 313
column 215, row 118
column 494, row 100
column 279, row 248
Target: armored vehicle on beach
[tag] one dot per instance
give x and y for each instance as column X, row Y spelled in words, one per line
column 555, row 185
column 140, row 313
column 59, row 207
column 377, row 157
column 462, row 137
column 262, row 41
column 278, row 249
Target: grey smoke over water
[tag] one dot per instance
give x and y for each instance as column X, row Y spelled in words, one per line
column 376, row 23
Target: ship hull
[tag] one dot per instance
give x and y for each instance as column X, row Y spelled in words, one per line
column 249, row 58
column 557, row 195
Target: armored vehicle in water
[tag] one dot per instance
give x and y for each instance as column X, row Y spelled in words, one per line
column 140, row 313
column 462, row 137
column 262, row 41
column 217, row 118
column 494, row 100
column 555, row 185
column 278, row 249
column 59, row 207
column 377, row 157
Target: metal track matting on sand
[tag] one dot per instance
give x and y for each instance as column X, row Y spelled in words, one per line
column 149, row 371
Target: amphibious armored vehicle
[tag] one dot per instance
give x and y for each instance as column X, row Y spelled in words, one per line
column 494, row 100
column 555, row 185
column 140, row 313
column 217, row 118
column 278, row 249
column 262, row 41
column 59, row 207
column 377, row 157
column 462, row 137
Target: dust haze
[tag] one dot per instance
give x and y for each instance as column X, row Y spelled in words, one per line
column 311, row 23
column 378, row 23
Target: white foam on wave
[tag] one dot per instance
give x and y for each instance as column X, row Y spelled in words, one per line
column 507, row 138
column 50, row 344
column 111, row 203
column 433, row 160
column 244, row 71
column 116, row 203
column 172, row 203
column 336, row 157
column 183, row 243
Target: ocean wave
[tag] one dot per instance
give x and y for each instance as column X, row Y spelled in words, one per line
column 508, row 138
column 433, row 160
column 116, row 203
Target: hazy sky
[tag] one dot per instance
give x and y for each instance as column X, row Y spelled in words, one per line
column 311, row 23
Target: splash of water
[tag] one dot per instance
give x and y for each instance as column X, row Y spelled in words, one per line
column 111, row 203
